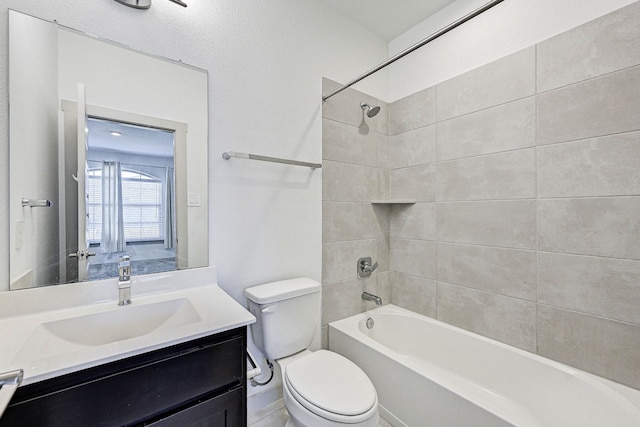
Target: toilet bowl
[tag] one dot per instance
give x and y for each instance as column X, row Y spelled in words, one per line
column 325, row 389
column 321, row 388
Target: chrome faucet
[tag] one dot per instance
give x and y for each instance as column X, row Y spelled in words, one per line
column 124, row 280
column 370, row 297
column 365, row 268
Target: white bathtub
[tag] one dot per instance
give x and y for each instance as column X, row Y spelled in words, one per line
column 428, row 373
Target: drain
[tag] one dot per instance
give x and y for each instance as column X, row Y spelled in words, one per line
column 369, row 323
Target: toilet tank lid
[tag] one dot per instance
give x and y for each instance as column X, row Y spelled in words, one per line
column 282, row 290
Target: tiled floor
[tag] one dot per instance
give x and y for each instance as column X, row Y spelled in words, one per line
column 275, row 415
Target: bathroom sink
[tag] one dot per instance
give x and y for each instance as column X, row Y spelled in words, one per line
column 122, row 323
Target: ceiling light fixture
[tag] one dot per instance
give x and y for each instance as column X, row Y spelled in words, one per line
column 145, row 4
column 115, row 133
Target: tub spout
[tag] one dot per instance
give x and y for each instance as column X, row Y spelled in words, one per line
column 370, row 297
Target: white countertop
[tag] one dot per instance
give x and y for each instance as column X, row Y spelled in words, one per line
column 29, row 344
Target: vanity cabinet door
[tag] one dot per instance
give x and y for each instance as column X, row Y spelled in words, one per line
column 142, row 389
column 221, row 411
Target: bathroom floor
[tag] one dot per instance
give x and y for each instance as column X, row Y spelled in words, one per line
column 275, row 415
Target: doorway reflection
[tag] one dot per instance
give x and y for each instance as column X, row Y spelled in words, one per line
column 131, row 198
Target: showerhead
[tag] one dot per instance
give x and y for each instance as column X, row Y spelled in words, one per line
column 372, row 110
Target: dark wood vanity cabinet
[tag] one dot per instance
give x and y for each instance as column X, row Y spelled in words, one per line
column 197, row 383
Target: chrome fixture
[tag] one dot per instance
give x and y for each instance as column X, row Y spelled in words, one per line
column 370, row 297
column 9, row 382
column 124, row 280
column 416, row 46
column 372, row 110
column 145, row 4
column 37, row 203
column 136, row 4
column 229, row 154
column 365, row 268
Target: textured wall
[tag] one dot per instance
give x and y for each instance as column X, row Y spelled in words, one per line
column 526, row 173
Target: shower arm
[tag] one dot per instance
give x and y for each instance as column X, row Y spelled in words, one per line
column 416, row 46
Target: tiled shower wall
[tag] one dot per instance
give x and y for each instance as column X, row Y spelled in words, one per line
column 354, row 172
column 526, row 175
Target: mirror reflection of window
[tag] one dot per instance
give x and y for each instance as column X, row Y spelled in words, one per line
column 131, row 197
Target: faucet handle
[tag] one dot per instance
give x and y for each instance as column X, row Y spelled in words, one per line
column 365, row 268
column 124, row 268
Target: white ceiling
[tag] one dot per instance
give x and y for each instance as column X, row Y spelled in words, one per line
column 389, row 18
column 134, row 140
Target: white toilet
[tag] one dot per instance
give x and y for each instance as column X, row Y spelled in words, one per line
column 322, row 388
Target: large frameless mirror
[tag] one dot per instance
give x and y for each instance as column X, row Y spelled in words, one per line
column 108, row 156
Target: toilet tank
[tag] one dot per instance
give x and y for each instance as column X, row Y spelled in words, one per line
column 288, row 315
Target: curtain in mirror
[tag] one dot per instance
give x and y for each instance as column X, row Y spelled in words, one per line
column 112, row 239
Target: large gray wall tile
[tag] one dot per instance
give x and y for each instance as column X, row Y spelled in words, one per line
column 602, row 106
column 594, row 226
column 607, row 44
column 415, row 257
column 414, row 221
column 416, row 182
column 509, row 224
column 606, row 166
column 411, row 148
column 345, row 108
column 352, row 221
column 602, row 286
column 501, row 81
column 509, row 320
column 502, row 128
column 510, row 175
column 414, row 293
column 339, row 258
column 341, row 299
column 344, row 143
column 345, row 182
column 602, row 346
column 509, row 272
column 413, row 111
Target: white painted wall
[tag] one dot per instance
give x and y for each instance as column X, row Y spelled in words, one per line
column 508, row 27
column 265, row 61
column 33, row 245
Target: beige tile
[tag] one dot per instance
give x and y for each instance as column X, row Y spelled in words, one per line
column 345, row 108
column 380, row 286
column 510, row 175
column 605, row 287
column 606, row 166
column 339, row 259
column 414, row 221
column 411, row 148
column 509, row 272
column 341, row 299
column 594, row 226
column 415, row 257
column 501, row 81
column 344, row 143
column 345, row 182
column 505, row 127
column 510, row 224
column 414, row 293
column 412, row 112
column 353, row 221
column 509, row 320
column 601, row 346
column 607, row 44
column 602, row 106
column 416, row 182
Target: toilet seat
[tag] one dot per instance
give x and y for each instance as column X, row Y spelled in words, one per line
column 332, row 387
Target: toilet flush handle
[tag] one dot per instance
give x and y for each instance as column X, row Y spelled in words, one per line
column 269, row 309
